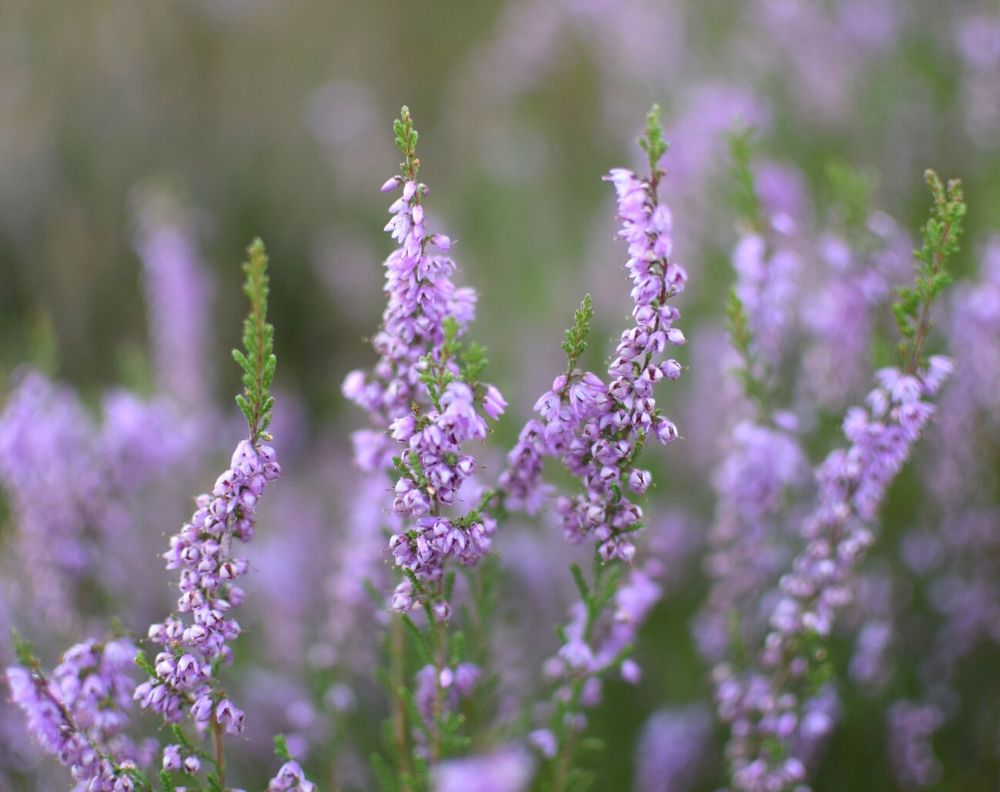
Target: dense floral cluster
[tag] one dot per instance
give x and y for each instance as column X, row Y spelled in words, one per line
column 745, row 555
column 597, row 430
column 79, row 714
column 195, row 639
column 852, row 483
column 423, row 404
column 70, row 478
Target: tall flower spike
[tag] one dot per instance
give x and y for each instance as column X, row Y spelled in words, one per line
column 597, row 430
column 424, row 397
column 762, row 457
column 772, row 732
column 195, row 639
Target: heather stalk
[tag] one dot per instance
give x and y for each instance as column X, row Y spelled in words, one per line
column 426, row 400
column 183, row 678
column 768, row 707
column 763, row 458
column 598, row 432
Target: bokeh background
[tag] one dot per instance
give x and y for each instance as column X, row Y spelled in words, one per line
column 138, row 133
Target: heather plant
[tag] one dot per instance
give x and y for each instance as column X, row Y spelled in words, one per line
column 412, row 664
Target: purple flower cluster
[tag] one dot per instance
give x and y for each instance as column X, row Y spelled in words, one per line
column 852, row 483
column 79, row 715
column 594, row 648
column 854, row 279
column 197, row 636
column 955, row 553
column 290, row 778
column 672, row 750
column 69, row 478
column 911, row 727
column 507, row 769
column 178, row 296
column 767, row 272
column 598, row 429
column 421, row 407
column 456, row 683
column 421, row 296
column 745, row 555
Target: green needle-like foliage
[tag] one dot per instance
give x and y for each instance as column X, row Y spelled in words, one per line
column 742, row 147
column 941, row 234
column 576, row 336
column 406, row 142
column 257, row 360
column 652, row 142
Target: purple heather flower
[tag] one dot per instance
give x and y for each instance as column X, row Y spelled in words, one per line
column 767, row 273
column 179, row 296
column 846, row 293
column 422, row 300
column 911, row 727
column 197, row 635
column 69, row 480
column 79, row 714
column 745, row 556
column 451, row 683
column 597, row 428
column 505, row 770
column 852, row 483
column 290, row 778
column 672, row 750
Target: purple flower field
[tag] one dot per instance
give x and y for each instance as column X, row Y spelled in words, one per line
column 659, row 454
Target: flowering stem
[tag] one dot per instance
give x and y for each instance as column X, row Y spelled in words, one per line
column 925, row 309
column 399, row 719
column 258, row 362
column 220, row 759
column 941, row 234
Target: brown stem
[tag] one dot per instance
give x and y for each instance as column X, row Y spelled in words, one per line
column 220, row 759
column 399, row 720
column 439, row 663
column 925, row 310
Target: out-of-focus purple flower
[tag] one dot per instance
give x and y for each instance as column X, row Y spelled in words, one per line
column 80, row 713
column 179, row 294
column 846, row 293
column 767, row 271
column 672, row 750
column 70, row 481
column 762, row 703
column 505, row 770
column 977, row 35
column 911, row 727
column 746, row 551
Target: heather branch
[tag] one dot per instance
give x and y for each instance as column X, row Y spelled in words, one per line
column 941, row 234
column 258, row 360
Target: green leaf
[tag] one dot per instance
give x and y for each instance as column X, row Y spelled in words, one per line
column 742, row 146
column 581, row 582
column 576, row 336
column 406, row 142
column 940, row 241
column 281, row 748
column 142, row 660
column 652, row 142
column 257, row 361
column 23, row 650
